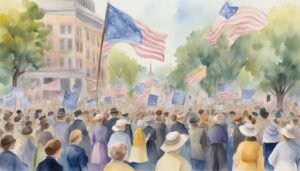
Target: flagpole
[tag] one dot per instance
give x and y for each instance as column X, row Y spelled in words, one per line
column 100, row 55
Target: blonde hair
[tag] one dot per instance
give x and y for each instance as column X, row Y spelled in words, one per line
column 118, row 151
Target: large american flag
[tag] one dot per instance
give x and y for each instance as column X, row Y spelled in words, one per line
column 241, row 20
column 226, row 91
column 146, row 42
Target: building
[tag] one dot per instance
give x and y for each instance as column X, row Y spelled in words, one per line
column 74, row 37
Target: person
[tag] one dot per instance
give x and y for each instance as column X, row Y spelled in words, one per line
column 178, row 126
column 285, row 155
column 172, row 160
column 9, row 128
column 28, row 148
column 161, row 130
column 128, row 129
column 60, row 128
column 217, row 137
column 53, row 151
column 80, row 123
column 9, row 161
column 112, row 121
column 270, row 140
column 262, row 123
column 74, row 158
column 99, row 139
column 118, row 152
column 237, row 136
column 119, row 135
column 249, row 152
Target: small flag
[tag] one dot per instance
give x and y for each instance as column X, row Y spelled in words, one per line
column 247, row 93
column 240, row 20
column 152, row 100
column 178, row 98
column 119, row 90
column 196, row 75
column 226, row 92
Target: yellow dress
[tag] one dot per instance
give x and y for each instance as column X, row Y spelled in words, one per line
column 138, row 152
column 249, row 157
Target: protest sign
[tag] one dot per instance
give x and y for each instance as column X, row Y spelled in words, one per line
column 178, row 98
column 70, row 100
column 152, row 100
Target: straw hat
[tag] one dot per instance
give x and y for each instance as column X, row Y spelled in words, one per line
column 75, row 135
column 120, row 124
column 99, row 116
column 289, row 131
column 271, row 134
column 219, row 119
column 248, row 130
column 174, row 141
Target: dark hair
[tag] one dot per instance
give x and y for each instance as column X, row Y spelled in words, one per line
column 9, row 127
column 232, row 112
column 7, row 141
column 28, row 123
column 166, row 114
column 174, row 118
column 201, row 111
column 17, row 119
column 263, row 113
column 27, row 130
column 52, row 147
column 158, row 112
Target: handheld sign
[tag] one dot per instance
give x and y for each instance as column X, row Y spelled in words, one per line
column 152, row 100
column 178, row 98
column 108, row 100
column 70, row 100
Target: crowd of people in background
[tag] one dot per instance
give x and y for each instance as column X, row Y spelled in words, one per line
column 204, row 140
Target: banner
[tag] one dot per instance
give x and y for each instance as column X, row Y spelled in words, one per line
column 52, row 86
column 247, row 93
column 178, row 98
column 76, row 88
column 108, row 100
column 139, row 89
column 70, row 100
column 152, row 100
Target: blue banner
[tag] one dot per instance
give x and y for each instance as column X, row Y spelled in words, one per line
column 76, row 88
column 70, row 100
column 139, row 89
column 152, row 100
column 178, row 98
column 247, row 93
column 108, row 100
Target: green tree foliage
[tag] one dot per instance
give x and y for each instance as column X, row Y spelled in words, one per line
column 122, row 68
column 23, row 40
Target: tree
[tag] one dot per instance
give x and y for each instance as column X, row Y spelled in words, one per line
column 23, row 40
column 122, row 68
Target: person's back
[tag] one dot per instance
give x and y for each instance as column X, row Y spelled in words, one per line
column 196, row 135
column 262, row 123
column 109, row 124
column 61, row 132
column 49, row 164
column 11, row 162
column 172, row 161
column 76, row 157
column 117, row 165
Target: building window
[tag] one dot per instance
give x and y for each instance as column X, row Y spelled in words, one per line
column 88, row 54
column 50, row 28
column 93, row 56
column 50, row 43
column 70, row 63
column 88, row 72
column 81, row 48
column 62, row 29
column 87, row 36
column 61, row 61
column 80, row 63
column 70, row 29
column 70, row 44
column 48, row 62
column 77, row 46
column 62, row 44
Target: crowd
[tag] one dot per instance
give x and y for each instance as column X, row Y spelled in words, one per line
column 120, row 141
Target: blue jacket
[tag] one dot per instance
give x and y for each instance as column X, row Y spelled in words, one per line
column 11, row 162
column 74, row 159
column 49, row 164
column 109, row 124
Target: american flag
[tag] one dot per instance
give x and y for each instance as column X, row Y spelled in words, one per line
column 119, row 90
column 196, row 75
column 52, row 86
column 226, row 92
column 143, row 97
column 121, row 27
column 241, row 20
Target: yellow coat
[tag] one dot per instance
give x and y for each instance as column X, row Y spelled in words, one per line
column 249, row 157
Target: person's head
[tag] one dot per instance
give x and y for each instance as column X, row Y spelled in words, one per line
column 9, row 127
column 19, row 112
column 27, row 131
column 158, row 113
column 120, row 125
column 44, row 126
column 141, row 116
column 219, row 119
column 100, row 118
column 79, row 114
column 114, row 112
column 28, row 123
column 263, row 113
column 249, row 130
column 61, row 114
column 174, row 142
column 295, row 121
column 174, row 118
column 166, row 114
column 118, row 151
column 8, row 142
column 201, row 112
column 53, row 148
column 238, row 118
column 75, row 137
column 17, row 119
column 288, row 132
column 194, row 121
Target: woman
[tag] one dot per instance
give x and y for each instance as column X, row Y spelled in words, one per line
column 75, row 158
column 118, row 152
column 99, row 139
column 286, row 156
column 270, row 140
column 249, row 152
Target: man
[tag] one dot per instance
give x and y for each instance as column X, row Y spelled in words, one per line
column 151, row 143
column 61, row 128
column 112, row 121
column 262, row 123
column 178, row 126
column 161, row 130
column 53, row 151
column 128, row 129
column 80, row 123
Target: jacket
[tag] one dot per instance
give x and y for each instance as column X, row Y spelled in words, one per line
column 49, row 164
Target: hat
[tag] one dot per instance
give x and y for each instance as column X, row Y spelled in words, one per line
column 99, row 116
column 50, row 113
column 271, row 134
column 42, row 118
column 125, row 114
column 248, row 130
column 38, row 111
column 238, row 118
column 289, row 131
column 19, row 112
column 263, row 112
column 27, row 130
column 77, row 113
column 174, row 141
column 194, row 120
column 119, row 124
column 219, row 119
column 75, row 135
column 114, row 110
column 61, row 112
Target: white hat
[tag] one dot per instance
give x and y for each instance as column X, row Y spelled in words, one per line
column 174, row 141
column 99, row 116
column 289, row 131
column 219, row 119
column 271, row 134
column 119, row 125
column 248, row 129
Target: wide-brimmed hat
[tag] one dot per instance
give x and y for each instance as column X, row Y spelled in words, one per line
column 114, row 111
column 125, row 114
column 119, row 125
column 271, row 134
column 174, row 141
column 289, row 131
column 219, row 119
column 248, row 130
column 99, row 116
